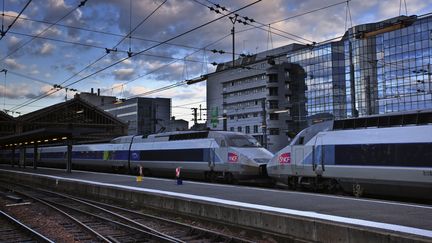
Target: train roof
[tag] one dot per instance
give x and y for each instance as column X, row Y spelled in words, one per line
column 404, row 134
column 359, row 124
column 419, row 117
column 172, row 136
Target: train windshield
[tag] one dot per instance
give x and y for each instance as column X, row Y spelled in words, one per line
column 242, row 141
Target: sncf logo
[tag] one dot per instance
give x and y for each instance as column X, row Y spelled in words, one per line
column 232, row 157
column 285, row 158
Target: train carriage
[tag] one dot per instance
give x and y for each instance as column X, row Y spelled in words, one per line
column 394, row 161
column 200, row 154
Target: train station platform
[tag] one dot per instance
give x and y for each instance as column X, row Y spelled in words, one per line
column 303, row 216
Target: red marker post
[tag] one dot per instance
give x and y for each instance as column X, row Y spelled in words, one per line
column 178, row 177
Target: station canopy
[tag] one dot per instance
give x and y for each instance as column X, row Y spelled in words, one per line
column 74, row 120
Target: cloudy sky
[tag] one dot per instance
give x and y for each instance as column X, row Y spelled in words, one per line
column 130, row 48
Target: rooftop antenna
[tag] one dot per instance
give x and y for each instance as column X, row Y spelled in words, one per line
column 400, row 8
column 185, row 71
column 130, row 29
column 269, row 39
column 3, row 16
column 348, row 15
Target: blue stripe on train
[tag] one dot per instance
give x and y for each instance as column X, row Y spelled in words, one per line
column 189, row 155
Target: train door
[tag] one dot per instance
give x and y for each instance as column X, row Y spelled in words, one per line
column 298, row 152
column 212, row 155
column 223, row 151
column 318, row 156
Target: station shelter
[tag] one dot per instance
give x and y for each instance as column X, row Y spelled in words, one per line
column 71, row 122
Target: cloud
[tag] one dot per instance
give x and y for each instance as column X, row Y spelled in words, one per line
column 13, row 64
column 135, row 91
column 124, row 74
column 13, row 41
column 10, row 16
column 26, row 91
column 46, row 49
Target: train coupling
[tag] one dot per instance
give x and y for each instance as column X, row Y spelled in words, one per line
column 263, row 170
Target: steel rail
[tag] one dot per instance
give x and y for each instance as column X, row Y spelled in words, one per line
column 67, row 215
column 33, row 233
column 111, row 221
column 101, row 205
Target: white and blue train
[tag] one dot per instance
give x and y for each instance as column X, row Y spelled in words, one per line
column 210, row 155
column 390, row 161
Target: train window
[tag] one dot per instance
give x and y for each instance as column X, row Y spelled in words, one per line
column 241, row 141
column 185, row 136
column 408, row 154
column 301, row 140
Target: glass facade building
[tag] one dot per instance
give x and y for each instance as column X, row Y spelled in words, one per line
column 375, row 68
column 324, row 79
column 388, row 63
column 403, row 66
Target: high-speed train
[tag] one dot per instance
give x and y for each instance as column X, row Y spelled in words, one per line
column 207, row 155
column 389, row 161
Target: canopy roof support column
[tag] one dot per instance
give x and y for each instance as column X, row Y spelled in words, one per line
column 35, row 156
column 69, row 156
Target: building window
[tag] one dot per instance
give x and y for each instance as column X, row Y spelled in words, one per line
column 274, row 116
column 273, row 78
column 273, row 104
column 274, row 131
column 239, row 129
column 232, row 129
column 247, row 129
column 273, row 91
column 255, row 129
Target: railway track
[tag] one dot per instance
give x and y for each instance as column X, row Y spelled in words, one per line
column 114, row 224
column 12, row 230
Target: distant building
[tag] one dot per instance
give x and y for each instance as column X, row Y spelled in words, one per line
column 177, row 125
column 376, row 68
column 144, row 116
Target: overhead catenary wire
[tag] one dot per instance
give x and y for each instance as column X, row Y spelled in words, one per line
column 247, row 22
column 299, row 39
column 299, row 15
column 100, row 32
column 147, row 49
column 82, row 3
column 168, row 64
column 3, row 33
column 101, row 47
column 89, row 65
column 96, row 31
